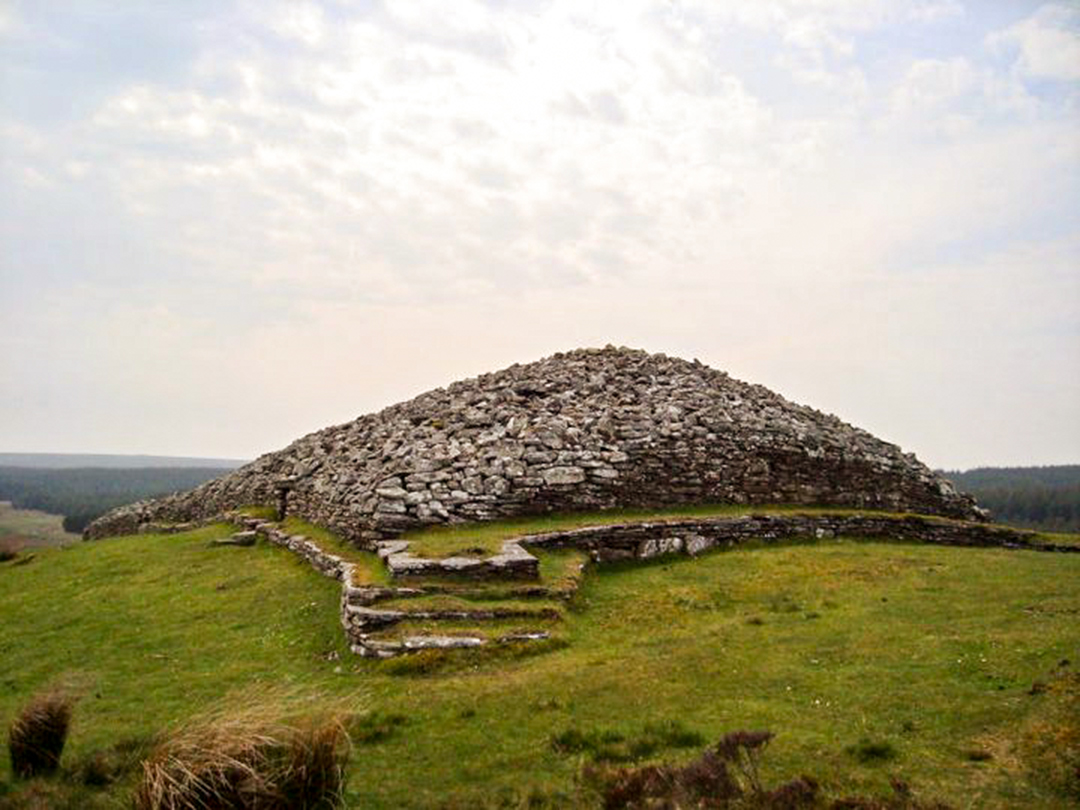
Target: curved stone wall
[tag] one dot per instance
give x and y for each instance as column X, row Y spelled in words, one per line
column 583, row 430
column 361, row 618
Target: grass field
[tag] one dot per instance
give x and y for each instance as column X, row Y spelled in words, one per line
column 940, row 666
column 28, row 528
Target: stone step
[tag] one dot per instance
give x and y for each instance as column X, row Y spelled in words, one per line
column 244, row 538
column 513, row 562
column 377, row 648
column 366, row 619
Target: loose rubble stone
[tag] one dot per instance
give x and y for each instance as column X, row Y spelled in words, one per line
column 582, row 430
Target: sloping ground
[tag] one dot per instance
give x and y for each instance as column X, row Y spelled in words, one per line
column 840, row 647
column 583, row 430
column 418, row 623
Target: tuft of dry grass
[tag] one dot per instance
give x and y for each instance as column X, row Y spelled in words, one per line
column 37, row 735
column 245, row 757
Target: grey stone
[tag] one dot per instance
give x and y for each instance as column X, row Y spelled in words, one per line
column 657, row 431
column 246, row 538
column 440, row 642
column 557, row 476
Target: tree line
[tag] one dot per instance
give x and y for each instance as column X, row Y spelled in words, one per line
column 83, row 494
column 1046, row 498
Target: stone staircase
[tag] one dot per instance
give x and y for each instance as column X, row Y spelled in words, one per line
column 434, row 604
column 429, row 613
column 467, row 601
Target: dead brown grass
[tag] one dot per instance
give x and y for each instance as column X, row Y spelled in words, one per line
column 248, row 758
column 37, row 735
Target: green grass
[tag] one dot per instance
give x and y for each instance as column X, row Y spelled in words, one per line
column 838, row 647
column 447, row 601
column 487, row 629
column 369, row 569
column 561, row 569
column 609, row 745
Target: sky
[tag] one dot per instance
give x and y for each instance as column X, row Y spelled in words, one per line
column 226, row 224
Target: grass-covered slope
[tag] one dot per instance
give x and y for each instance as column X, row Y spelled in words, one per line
column 868, row 661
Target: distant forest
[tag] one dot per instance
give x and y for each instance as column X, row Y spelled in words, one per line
column 1046, row 498
column 81, row 495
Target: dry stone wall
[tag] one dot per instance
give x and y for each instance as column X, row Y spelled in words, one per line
column 646, row 539
column 362, row 619
column 588, row 429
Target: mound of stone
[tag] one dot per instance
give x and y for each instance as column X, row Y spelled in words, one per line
column 581, row 430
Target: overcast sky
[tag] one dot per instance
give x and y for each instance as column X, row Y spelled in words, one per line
column 224, row 225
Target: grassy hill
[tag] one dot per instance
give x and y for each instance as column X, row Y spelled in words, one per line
column 81, row 494
column 952, row 669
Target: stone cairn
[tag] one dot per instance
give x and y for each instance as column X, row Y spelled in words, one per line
column 582, row 430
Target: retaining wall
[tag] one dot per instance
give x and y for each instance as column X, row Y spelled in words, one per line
column 613, row 543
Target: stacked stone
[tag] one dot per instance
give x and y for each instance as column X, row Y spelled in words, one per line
column 362, row 621
column 582, row 430
column 643, row 540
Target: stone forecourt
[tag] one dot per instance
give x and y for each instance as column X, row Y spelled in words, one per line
column 638, row 540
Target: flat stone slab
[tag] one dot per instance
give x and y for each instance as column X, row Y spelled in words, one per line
column 517, row 637
column 373, row 617
column 388, row 548
column 369, row 594
column 513, row 561
column 246, row 538
column 440, row 642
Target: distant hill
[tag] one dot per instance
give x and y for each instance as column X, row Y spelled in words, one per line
column 1045, row 498
column 66, row 461
column 82, row 493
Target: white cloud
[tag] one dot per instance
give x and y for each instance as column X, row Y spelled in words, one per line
column 933, row 83
column 932, row 11
column 300, row 21
column 386, row 200
column 1047, row 43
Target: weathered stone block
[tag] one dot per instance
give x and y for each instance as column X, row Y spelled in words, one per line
column 561, row 476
